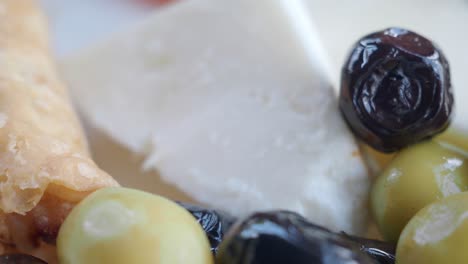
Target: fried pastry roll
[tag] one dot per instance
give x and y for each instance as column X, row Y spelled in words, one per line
column 45, row 165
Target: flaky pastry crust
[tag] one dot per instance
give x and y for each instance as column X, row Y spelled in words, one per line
column 45, row 165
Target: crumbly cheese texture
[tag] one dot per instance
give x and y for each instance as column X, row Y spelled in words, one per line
column 229, row 105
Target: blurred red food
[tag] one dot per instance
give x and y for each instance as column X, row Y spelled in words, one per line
column 155, row 2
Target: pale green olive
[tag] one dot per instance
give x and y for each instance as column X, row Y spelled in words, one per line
column 417, row 176
column 378, row 161
column 455, row 137
column 437, row 234
column 121, row 226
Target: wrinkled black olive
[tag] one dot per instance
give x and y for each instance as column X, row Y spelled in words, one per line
column 20, row 259
column 215, row 223
column 286, row 237
column 395, row 89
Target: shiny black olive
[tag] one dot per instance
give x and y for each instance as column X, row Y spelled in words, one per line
column 396, row 89
column 20, row 259
column 382, row 252
column 215, row 223
column 286, row 237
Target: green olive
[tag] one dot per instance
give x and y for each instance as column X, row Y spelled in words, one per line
column 121, row 226
column 417, row 176
column 454, row 136
column 437, row 234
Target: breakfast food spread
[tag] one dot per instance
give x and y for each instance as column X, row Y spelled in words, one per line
column 45, row 167
column 247, row 127
column 230, row 109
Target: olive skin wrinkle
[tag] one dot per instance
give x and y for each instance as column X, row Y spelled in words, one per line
column 396, row 89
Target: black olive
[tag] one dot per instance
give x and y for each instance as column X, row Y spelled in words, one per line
column 286, row 237
column 20, row 259
column 396, row 89
column 383, row 252
column 215, row 223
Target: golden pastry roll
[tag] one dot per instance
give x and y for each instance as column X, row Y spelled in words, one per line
column 45, row 165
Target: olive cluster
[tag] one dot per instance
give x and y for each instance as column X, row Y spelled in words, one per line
column 120, row 225
column 396, row 96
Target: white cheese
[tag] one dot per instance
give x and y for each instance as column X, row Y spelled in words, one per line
column 231, row 104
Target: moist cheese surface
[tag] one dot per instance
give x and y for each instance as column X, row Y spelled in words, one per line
column 231, row 106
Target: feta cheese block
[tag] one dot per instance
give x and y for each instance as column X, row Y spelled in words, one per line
column 230, row 102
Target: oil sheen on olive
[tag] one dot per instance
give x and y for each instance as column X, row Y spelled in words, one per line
column 286, row 237
column 437, row 234
column 382, row 252
column 396, row 89
column 418, row 175
column 20, row 259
